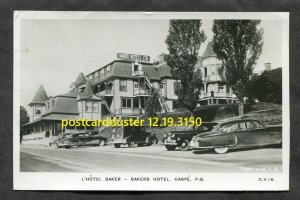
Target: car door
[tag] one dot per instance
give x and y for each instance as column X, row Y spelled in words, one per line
column 238, row 133
column 257, row 133
column 221, row 138
column 261, row 134
column 81, row 139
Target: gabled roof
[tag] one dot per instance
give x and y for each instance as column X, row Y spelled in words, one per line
column 209, row 52
column 40, row 96
column 64, row 105
column 80, row 79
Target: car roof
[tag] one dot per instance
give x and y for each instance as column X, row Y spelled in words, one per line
column 238, row 120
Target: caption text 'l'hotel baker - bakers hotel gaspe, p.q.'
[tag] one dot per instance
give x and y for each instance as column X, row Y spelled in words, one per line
column 120, row 88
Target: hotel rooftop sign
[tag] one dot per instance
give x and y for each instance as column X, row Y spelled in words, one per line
column 133, row 57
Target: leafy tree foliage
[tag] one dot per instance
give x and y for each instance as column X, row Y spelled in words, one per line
column 268, row 86
column 152, row 104
column 238, row 44
column 184, row 41
column 24, row 118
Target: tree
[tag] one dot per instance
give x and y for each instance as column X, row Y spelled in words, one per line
column 184, row 41
column 268, row 86
column 24, row 118
column 238, row 44
column 152, row 104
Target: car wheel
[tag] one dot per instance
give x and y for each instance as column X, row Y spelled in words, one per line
column 117, row 145
column 221, row 150
column 131, row 144
column 152, row 141
column 185, row 145
column 170, row 147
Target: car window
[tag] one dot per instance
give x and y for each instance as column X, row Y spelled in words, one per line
column 252, row 125
column 237, row 127
column 224, row 128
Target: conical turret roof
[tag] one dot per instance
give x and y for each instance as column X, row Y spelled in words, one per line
column 88, row 90
column 209, row 51
column 40, row 96
column 80, row 79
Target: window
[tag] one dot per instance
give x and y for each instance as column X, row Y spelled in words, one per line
column 91, row 77
column 37, row 112
column 95, row 107
column 88, row 106
column 253, row 125
column 161, row 86
column 123, row 85
column 237, row 127
column 102, row 73
column 96, row 75
column 221, row 88
column 177, row 86
column 126, row 103
column 136, row 86
column 136, row 102
column 108, row 70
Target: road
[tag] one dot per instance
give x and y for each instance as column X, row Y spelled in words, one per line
column 146, row 159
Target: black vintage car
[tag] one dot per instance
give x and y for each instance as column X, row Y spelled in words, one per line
column 132, row 136
column 90, row 138
column 238, row 133
column 182, row 136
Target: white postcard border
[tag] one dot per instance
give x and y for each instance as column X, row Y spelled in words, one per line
column 212, row 181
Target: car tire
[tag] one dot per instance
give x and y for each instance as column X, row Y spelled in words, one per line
column 185, row 145
column 221, row 150
column 131, row 144
column 152, row 141
column 117, row 145
column 170, row 147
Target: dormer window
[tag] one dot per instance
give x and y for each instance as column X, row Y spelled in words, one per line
column 38, row 112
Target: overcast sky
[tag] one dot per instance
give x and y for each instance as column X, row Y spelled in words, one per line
column 54, row 52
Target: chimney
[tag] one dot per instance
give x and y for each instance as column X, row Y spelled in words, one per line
column 161, row 58
column 267, row 66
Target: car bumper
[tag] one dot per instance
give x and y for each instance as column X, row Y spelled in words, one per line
column 170, row 142
column 194, row 144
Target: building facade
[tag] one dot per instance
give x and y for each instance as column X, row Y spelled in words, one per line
column 215, row 90
column 121, row 89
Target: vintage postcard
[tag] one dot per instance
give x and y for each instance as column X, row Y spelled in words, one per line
column 153, row 101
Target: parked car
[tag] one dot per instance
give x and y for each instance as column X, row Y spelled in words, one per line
column 183, row 135
column 82, row 139
column 57, row 139
column 132, row 135
column 237, row 133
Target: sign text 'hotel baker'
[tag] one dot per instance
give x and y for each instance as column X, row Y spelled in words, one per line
column 133, row 57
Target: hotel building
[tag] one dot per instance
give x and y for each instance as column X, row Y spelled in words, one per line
column 120, row 88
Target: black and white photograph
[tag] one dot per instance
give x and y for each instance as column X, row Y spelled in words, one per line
column 151, row 101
